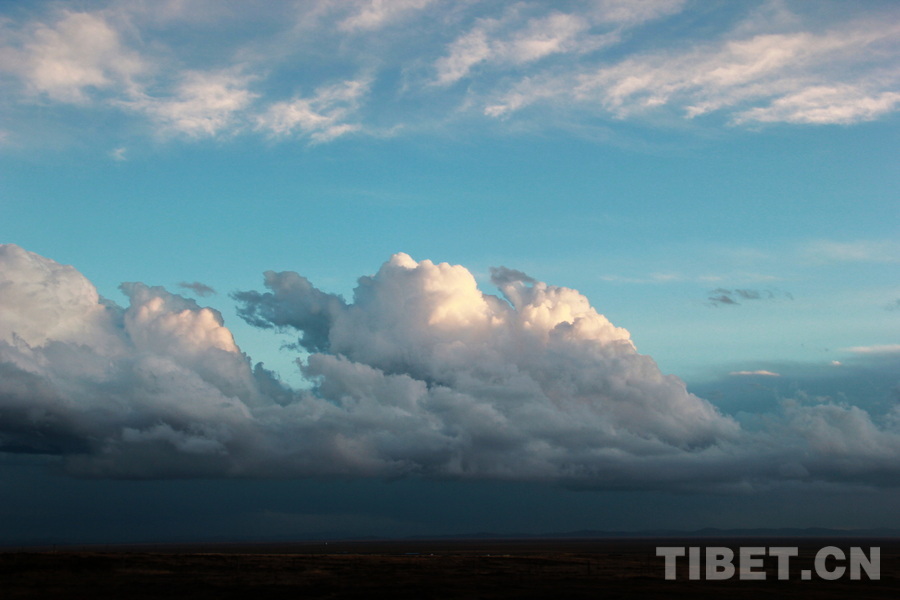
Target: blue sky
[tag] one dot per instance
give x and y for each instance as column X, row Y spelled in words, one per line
column 718, row 178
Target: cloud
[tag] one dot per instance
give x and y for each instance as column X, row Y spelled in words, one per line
column 204, row 103
column 878, row 349
column 376, row 14
column 201, row 289
column 81, row 58
column 833, row 432
column 466, row 52
column 68, row 59
column 761, row 373
column 431, row 323
column 873, row 251
column 795, row 77
column 322, row 116
column 421, row 373
column 122, row 391
column 515, row 38
column 509, row 41
column 537, row 366
column 723, row 296
column 44, row 301
column 294, row 302
column 895, row 305
column 717, row 298
column 821, row 105
column 677, row 277
column 631, row 12
column 584, row 60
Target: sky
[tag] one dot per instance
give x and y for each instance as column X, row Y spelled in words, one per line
column 319, row 268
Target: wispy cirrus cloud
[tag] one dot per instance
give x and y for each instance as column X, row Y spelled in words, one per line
column 678, row 277
column 323, row 116
column 757, row 373
column 878, row 349
column 874, row 251
column 519, row 37
column 510, row 41
column 841, row 104
column 586, row 60
column 375, row 14
column 799, row 77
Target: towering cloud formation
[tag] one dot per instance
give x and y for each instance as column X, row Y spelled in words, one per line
column 117, row 390
column 422, row 373
column 540, row 361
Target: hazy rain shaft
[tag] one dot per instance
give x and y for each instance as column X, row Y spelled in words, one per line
column 421, row 373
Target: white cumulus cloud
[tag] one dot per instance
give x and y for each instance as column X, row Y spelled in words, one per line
column 421, row 373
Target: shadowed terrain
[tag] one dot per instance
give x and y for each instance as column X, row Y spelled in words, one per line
column 416, row 569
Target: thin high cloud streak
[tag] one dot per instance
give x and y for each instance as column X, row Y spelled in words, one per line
column 421, row 374
column 728, row 297
column 379, row 66
column 200, row 289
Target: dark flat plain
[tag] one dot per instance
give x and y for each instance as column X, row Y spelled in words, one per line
column 420, row 569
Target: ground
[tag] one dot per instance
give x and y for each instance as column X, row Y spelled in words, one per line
column 419, row 569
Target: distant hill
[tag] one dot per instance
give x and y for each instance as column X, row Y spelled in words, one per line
column 708, row 532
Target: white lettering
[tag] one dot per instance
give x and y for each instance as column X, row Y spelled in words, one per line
column 749, row 561
column 784, row 554
column 821, row 569
column 671, row 553
column 718, row 563
column 871, row 565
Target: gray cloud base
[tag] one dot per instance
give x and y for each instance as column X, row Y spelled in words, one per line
column 422, row 373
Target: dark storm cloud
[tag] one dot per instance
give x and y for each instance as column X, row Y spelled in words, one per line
column 422, row 373
column 292, row 303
